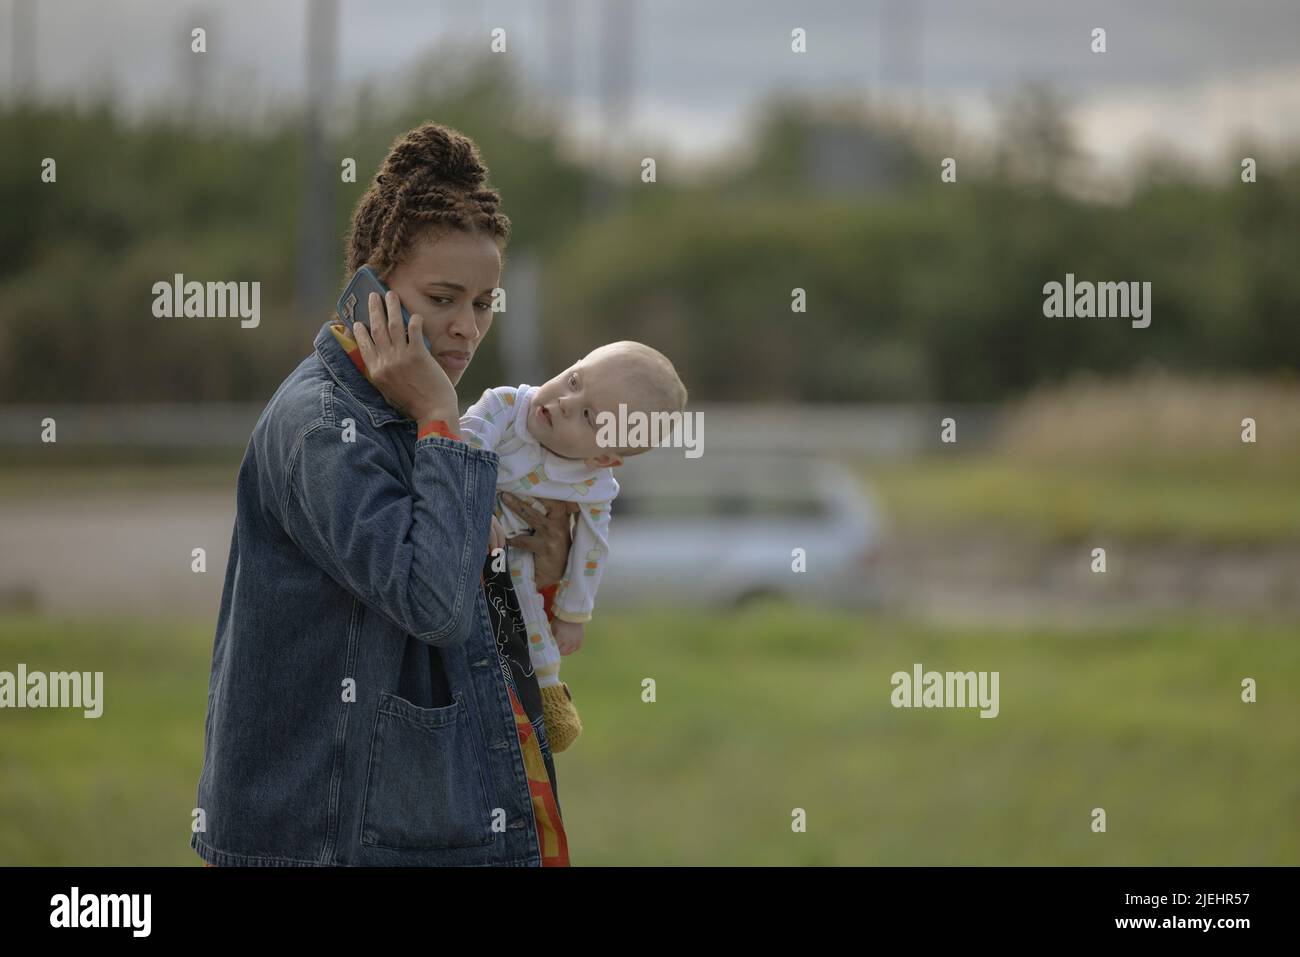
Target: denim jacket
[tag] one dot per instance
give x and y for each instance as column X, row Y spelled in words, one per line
column 355, row 559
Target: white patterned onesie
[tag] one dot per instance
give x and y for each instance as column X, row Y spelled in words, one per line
column 498, row 422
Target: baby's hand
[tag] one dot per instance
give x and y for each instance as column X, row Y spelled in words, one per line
column 496, row 537
column 568, row 635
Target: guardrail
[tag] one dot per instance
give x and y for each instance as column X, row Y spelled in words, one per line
column 873, row 431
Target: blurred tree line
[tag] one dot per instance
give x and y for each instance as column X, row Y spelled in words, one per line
column 916, row 289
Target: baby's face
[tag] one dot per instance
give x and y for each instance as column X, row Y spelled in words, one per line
column 563, row 413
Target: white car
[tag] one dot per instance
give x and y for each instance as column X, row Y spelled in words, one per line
column 720, row 530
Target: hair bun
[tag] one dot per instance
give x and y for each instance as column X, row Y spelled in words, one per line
column 432, row 179
column 447, row 155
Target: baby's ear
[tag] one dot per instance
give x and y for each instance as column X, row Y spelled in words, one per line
column 604, row 460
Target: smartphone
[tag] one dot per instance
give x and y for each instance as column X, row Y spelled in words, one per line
column 354, row 303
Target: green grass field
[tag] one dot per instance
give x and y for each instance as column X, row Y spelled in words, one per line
column 1206, row 502
column 759, row 713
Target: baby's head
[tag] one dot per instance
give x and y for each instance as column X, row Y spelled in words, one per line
column 563, row 414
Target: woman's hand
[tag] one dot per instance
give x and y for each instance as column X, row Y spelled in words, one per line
column 550, row 539
column 400, row 366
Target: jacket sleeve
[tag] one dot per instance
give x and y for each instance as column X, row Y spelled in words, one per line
column 410, row 549
column 488, row 420
column 588, row 555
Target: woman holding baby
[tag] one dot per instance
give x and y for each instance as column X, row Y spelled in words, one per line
column 371, row 700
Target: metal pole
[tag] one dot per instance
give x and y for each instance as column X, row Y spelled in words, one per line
column 317, row 252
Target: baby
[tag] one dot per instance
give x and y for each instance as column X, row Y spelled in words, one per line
column 549, row 441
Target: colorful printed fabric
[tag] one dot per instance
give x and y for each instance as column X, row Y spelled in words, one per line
column 530, row 723
column 437, row 427
column 546, row 811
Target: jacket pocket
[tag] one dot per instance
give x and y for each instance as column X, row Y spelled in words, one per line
column 424, row 788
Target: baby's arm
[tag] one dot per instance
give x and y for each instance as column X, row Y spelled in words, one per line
column 588, row 556
column 486, row 421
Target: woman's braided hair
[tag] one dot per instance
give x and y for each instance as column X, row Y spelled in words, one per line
column 431, row 180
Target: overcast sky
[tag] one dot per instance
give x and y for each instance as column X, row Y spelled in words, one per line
column 1189, row 73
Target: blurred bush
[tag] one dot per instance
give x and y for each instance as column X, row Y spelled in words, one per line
column 916, row 290
column 1154, row 417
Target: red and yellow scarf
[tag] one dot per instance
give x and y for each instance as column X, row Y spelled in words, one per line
column 550, row 828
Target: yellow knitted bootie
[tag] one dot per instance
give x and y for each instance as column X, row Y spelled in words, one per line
column 562, row 723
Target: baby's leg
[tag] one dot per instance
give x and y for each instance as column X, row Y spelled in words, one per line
column 542, row 649
column 563, row 726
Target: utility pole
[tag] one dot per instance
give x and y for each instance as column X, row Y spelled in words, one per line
column 615, row 94
column 560, row 24
column 901, row 59
column 22, row 59
column 520, row 337
column 317, row 252
column 191, row 102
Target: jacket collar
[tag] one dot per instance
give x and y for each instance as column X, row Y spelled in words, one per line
column 347, row 375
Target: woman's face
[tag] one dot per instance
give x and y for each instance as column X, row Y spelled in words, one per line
column 448, row 280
